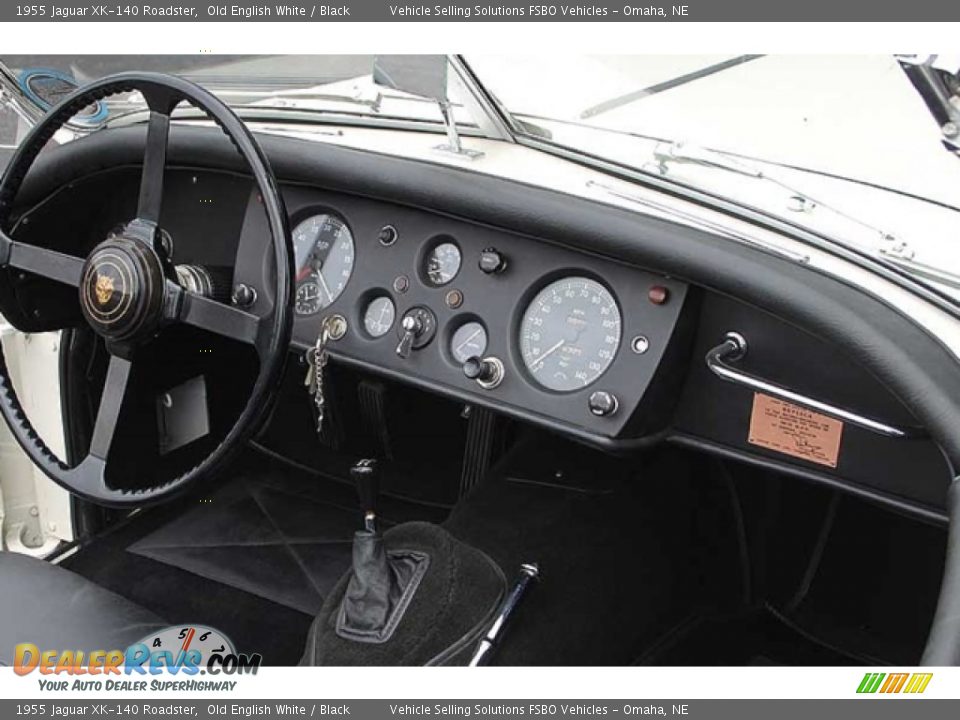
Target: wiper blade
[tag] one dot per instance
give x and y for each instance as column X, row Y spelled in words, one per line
column 614, row 103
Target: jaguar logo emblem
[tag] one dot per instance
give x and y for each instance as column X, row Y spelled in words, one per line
column 103, row 288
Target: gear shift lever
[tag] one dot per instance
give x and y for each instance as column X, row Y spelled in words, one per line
column 366, row 476
column 381, row 582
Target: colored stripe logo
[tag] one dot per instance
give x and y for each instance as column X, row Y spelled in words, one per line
column 887, row 683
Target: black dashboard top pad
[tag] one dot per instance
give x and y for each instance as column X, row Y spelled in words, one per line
column 810, row 330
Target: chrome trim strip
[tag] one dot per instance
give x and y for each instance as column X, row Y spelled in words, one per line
column 734, row 347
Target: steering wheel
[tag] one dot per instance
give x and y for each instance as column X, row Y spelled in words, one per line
column 129, row 293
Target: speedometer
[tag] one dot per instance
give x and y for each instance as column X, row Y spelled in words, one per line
column 323, row 246
column 570, row 333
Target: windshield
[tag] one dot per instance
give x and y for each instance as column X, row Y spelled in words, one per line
column 853, row 116
column 841, row 144
column 283, row 87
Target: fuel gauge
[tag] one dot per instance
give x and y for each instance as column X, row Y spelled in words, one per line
column 470, row 340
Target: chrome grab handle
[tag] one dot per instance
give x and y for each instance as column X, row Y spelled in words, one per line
column 734, row 347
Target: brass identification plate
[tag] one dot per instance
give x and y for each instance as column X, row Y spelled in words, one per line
column 794, row 430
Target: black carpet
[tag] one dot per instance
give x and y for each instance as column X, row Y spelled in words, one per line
column 263, row 537
column 748, row 637
column 253, row 557
column 613, row 542
column 661, row 559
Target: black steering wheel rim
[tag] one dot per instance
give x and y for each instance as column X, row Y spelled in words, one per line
column 158, row 299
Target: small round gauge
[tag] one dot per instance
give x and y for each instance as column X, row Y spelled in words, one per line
column 443, row 264
column 570, row 333
column 309, row 297
column 470, row 340
column 324, row 254
column 379, row 316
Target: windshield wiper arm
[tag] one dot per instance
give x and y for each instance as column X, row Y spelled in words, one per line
column 891, row 250
column 614, row 103
column 683, row 152
column 666, row 153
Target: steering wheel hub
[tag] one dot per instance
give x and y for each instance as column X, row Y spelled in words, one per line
column 122, row 289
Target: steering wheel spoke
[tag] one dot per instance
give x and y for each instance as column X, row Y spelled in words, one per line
column 154, row 165
column 89, row 479
column 220, row 318
column 111, row 402
column 162, row 101
column 40, row 261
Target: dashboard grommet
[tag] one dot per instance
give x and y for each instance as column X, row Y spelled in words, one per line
column 388, row 235
column 640, row 344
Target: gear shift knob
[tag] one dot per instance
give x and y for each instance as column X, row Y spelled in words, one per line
column 366, row 476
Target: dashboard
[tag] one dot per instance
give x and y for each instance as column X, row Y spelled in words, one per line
column 535, row 330
column 548, row 309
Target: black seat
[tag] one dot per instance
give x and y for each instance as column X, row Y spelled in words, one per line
column 56, row 609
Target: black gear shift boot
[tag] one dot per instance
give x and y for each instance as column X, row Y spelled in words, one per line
column 381, row 586
column 436, row 618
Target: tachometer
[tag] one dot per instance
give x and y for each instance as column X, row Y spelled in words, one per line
column 324, row 250
column 570, row 333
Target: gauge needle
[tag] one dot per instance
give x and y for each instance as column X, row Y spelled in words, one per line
column 188, row 640
column 323, row 284
column 467, row 341
column 548, row 353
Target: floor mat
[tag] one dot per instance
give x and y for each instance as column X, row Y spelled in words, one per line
column 276, row 535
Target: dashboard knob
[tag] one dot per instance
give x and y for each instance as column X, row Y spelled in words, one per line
column 603, row 403
column 487, row 372
column 492, row 261
column 244, row 295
